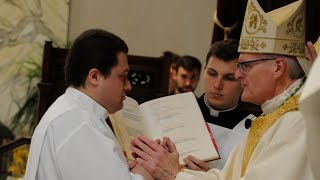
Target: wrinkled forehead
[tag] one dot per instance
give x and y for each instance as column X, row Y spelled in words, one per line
column 249, row 56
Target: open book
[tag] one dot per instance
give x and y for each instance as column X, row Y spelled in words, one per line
column 177, row 117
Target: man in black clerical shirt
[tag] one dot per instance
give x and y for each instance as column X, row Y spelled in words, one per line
column 219, row 103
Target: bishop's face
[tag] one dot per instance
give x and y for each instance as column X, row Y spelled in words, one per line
column 256, row 78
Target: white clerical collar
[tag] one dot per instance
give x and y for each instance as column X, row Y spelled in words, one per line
column 214, row 112
column 271, row 105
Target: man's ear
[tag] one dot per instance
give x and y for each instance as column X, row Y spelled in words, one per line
column 93, row 77
column 280, row 67
column 174, row 75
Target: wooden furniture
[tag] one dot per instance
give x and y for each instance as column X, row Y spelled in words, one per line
column 149, row 77
column 14, row 144
column 52, row 83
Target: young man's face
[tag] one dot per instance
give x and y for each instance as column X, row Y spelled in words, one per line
column 113, row 88
column 222, row 90
column 186, row 81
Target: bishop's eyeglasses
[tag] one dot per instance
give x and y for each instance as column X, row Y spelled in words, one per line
column 244, row 67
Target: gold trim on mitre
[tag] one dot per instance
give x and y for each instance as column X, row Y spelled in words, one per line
column 281, row 31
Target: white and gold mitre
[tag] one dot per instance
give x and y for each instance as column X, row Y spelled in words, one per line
column 281, row 31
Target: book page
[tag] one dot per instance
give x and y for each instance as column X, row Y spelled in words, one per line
column 179, row 118
column 128, row 123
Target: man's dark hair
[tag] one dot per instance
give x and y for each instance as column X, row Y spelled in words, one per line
column 226, row 50
column 94, row 48
column 173, row 57
column 189, row 63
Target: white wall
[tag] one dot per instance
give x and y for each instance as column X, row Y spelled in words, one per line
column 149, row 27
